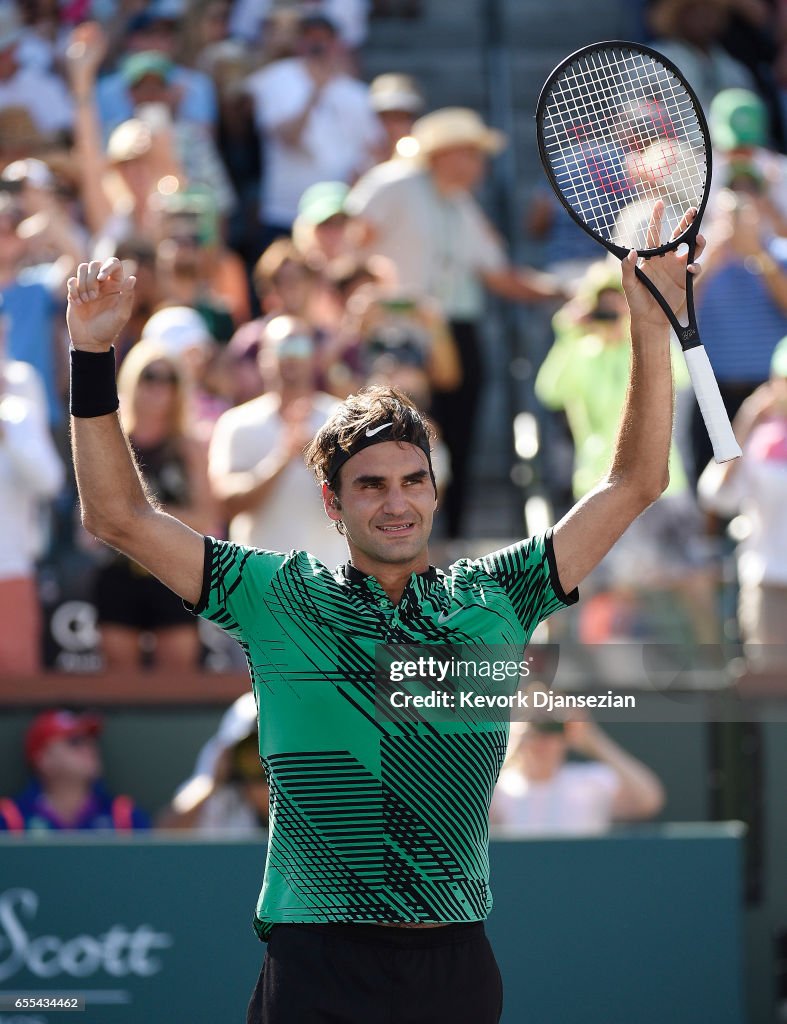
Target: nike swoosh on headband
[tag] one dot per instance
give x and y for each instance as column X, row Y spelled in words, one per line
column 370, row 432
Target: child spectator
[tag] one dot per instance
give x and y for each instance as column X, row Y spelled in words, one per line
column 66, row 791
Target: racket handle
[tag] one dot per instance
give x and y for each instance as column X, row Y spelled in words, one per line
column 717, row 422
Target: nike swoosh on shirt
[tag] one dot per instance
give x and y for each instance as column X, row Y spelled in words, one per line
column 371, row 432
column 443, row 618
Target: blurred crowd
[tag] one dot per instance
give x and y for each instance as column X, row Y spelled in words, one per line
column 559, row 778
column 296, row 232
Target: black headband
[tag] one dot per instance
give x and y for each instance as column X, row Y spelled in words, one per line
column 376, row 435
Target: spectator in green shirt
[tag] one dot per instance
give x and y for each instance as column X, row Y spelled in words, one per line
column 586, row 374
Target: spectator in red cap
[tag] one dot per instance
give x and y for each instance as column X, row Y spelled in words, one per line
column 66, row 791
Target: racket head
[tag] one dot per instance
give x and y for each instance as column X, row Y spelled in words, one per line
column 618, row 128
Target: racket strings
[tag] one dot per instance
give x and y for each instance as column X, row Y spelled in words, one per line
column 620, row 131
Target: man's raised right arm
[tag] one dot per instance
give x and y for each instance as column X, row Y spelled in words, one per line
column 115, row 506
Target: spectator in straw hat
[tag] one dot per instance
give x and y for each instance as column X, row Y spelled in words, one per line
column 688, row 32
column 421, row 215
column 397, row 101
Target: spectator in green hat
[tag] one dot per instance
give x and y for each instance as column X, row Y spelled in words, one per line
column 320, row 229
column 155, row 31
column 739, row 131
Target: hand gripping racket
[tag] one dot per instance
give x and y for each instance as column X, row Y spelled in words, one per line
column 618, row 129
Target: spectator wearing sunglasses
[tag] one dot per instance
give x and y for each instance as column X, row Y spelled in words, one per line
column 66, row 791
column 256, row 466
column 135, row 611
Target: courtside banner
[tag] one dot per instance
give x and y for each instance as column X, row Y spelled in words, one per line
column 155, row 929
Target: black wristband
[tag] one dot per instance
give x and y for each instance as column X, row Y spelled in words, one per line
column 93, row 386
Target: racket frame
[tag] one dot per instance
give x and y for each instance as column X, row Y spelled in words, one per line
column 687, row 334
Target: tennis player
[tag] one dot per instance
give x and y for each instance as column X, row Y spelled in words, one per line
column 376, row 884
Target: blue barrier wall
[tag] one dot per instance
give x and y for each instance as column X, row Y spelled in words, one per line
column 642, row 928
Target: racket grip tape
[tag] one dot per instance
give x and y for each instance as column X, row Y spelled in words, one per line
column 717, row 422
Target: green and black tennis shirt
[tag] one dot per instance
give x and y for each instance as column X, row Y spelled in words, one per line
column 371, row 820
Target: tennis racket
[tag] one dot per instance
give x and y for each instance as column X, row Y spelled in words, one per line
column 619, row 128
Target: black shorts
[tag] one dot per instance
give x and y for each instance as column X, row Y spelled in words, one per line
column 370, row 974
column 127, row 595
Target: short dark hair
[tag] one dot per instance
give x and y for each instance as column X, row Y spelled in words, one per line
column 316, row 19
column 370, row 406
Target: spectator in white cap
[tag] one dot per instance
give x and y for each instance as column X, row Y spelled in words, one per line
column 178, row 330
column 421, row 214
column 183, row 334
column 397, row 101
column 228, row 791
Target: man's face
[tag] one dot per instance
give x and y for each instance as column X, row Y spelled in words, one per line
column 150, row 88
column 75, row 758
column 292, row 286
column 317, row 42
column 289, row 358
column 463, row 166
column 331, row 235
column 543, row 753
column 387, row 503
column 396, row 124
column 701, row 22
